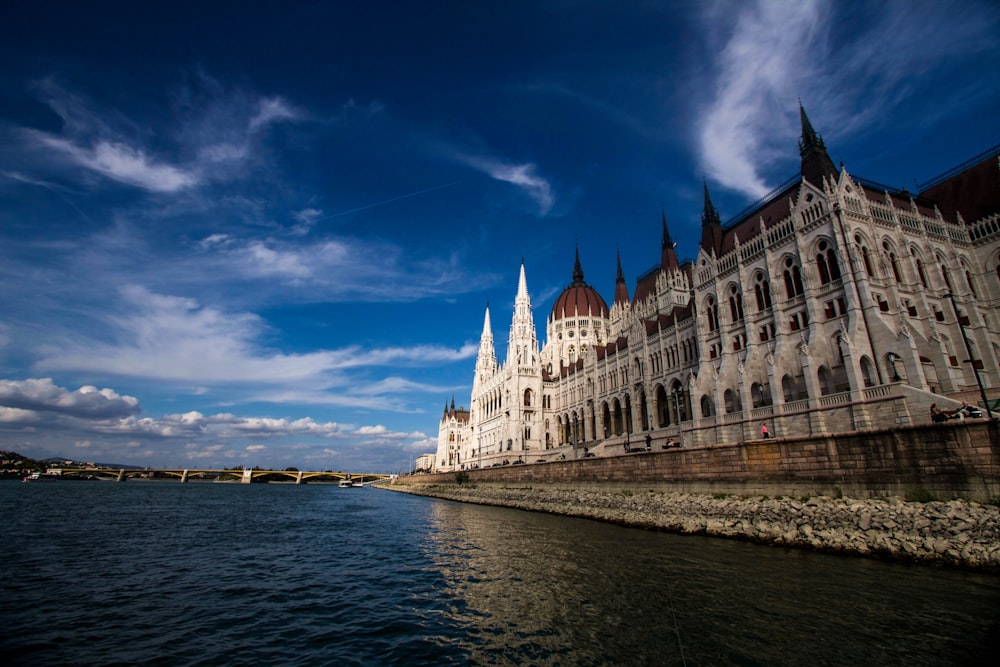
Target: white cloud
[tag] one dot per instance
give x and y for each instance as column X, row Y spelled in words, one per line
column 521, row 175
column 765, row 57
column 216, row 130
column 775, row 52
column 173, row 338
column 42, row 395
column 308, row 216
column 122, row 163
column 272, row 110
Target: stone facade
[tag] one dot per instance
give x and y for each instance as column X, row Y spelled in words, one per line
column 833, row 305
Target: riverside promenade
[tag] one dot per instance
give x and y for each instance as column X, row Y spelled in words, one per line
column 929, row 494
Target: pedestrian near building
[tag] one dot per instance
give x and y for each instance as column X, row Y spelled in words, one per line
column 764, row 433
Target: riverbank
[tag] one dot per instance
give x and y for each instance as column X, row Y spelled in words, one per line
column 955, row 533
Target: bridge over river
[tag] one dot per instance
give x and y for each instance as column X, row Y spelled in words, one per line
column 242, row 476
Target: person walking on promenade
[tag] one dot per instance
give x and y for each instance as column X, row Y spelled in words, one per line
column 764, row 433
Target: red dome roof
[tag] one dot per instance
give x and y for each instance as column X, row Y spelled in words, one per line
column 579, row 299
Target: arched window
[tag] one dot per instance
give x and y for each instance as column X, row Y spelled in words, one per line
column 825, row 381
column 826, row 261
column 920, row 273
column 730, row 398
column 788, row 388
column 793, row 279
column 865, row 256
column 762, row 291
column 713, row 314
column 662, row 406
column 735, row 304
column 527, row 398
column 972, row 287
column 947, row 277
column 867, row 372
column 707, row 406
column 893, row 264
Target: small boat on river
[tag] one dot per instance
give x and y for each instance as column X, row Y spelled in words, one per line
column 40, row 477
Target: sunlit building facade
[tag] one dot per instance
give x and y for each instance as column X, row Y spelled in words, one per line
column 834, row 304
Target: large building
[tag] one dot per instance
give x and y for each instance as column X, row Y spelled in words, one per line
column 835, row 304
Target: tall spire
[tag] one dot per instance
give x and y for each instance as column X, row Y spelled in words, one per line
column 522, row 343
column 577, row 268
column 486, row 361
column 810, row 140
column 621, row 288
column 668, row 256
column 816, row 162
column 522, row 284
column 711, row 227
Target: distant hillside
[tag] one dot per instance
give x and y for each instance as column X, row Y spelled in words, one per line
column 13, row 464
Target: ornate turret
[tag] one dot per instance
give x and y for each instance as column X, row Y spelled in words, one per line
column 816, row 163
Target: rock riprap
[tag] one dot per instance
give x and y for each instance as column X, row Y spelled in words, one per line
column 953, row 532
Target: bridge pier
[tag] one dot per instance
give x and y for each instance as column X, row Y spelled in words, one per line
column 184, row 476
column 247, row 477
column 121, row 475
column 298, row 478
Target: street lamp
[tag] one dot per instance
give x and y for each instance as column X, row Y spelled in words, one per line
column 968, row 349
column 892, row 360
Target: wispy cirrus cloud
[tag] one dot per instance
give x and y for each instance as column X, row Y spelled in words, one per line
column 759, row 67
column 775, row 52
column 123, row 163
column 524, row 176
column 160, row 337
column 220, row 129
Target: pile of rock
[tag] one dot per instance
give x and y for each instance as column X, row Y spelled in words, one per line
column 954, row 532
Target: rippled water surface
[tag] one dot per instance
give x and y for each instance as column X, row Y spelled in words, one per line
column 208, row 574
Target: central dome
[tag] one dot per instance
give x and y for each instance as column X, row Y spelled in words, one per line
column 579, row 299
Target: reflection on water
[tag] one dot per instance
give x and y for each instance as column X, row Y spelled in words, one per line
column 209, row 574
column 538, row 589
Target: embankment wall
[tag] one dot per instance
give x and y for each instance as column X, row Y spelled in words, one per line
column 951, row 460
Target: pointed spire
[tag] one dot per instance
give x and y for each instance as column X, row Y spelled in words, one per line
column 810, row 141
column 709, row 215
column 621, row 288
column 668, row 254
column 486, row 360
column 522, row 283
column 577, row 268
column 522, row 342
column 487, row 329
column 711, row 227
column 667, row 241
column 816, row 162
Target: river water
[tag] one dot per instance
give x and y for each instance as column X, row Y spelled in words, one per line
column 158, row 573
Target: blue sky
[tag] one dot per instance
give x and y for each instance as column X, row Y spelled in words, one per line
column 264, row 233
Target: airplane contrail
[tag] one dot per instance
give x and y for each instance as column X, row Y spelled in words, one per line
column 388, row 201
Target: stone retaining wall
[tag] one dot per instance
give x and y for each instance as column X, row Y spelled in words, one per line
column 951, row 460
